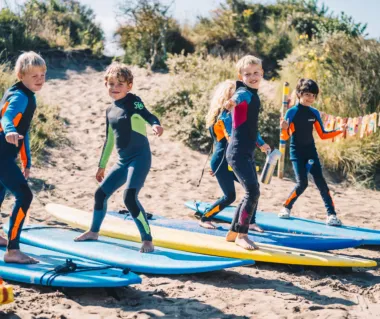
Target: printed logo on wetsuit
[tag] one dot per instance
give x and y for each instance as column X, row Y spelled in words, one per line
column 139, row 105
column 311, row 120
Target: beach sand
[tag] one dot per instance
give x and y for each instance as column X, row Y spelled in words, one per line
column 260, row 291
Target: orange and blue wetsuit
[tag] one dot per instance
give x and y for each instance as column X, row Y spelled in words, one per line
column 220, row 132
column 302, row 120
column 16, row 112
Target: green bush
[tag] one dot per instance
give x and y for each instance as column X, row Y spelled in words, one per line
column 149, row 34
column 268, row 31
column 44, row 24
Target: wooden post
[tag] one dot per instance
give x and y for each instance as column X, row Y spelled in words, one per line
column 284, row 107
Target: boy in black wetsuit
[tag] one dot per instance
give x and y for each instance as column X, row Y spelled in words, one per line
column 126, row 120
column 299, row 123
column 245, row 106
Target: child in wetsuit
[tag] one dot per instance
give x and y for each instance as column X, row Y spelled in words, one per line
column 298, row 124
column 219, row 122
column 16, row 113
column 245, row 107
column 125, row 126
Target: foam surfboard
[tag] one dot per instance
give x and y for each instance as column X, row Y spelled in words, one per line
column 309, row 242
column 125, row 254
column 203, row 243
column 89, row 274
column 271, row 222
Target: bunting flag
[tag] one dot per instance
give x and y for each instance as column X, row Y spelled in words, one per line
column 372, row 124
column 350, row 127
column 363, row 128
column 337, row 126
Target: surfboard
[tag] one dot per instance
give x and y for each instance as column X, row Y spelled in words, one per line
column 309, row 242
column 88, row 273
column 125, row 254
column 203, row 243
column 6, row 293
column 271, row 222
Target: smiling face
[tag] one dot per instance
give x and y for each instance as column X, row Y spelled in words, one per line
column 34, row 78
column 251, row 75
column 307, row 99
column 117, row 89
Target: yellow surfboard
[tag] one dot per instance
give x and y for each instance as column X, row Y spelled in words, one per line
column 203, row 243
column 6, row 293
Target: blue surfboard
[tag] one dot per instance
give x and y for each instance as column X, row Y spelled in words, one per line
column 316, row 243
column 271, row 222
column 89, row 274
column 125, row 254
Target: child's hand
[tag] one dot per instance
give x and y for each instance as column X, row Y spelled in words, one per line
column 284, row 125
column 157, row 130
column 100, row 174
column 211, row 172
column 229, row 105
column 13, row 138
column 26, row 172
column 265, row 148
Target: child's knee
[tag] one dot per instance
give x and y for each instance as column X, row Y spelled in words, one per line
column 302, row 185
column 25, row 196
column 100, row 197
column 130, row 200
column 230, row 198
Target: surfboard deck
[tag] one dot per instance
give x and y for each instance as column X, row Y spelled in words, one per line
column 309, row 242
column 43, row 273
column 271, row 222
column 125, row 254
column 203, row 243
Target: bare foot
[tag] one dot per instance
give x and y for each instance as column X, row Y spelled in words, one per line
column 242, row 240
column 3, row 242
column 208, row 225
column 255, row 227
column 88, row 235
column 147, row 247
column 231, row 236
column 15, row 256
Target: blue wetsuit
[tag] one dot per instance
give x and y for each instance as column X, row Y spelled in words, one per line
column 220, row 133
column 17, row 108
column 126, row 127
column 240, row 153
column 302, row 119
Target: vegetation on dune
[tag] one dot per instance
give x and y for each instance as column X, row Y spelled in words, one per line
column 45, row 24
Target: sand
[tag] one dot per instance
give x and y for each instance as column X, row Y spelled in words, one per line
column 260, row 291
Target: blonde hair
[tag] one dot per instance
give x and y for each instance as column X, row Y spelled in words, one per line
column 120, row 71
column 223, row 92
column 247, row 60
column 28, row 60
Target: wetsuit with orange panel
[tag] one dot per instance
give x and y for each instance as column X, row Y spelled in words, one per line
column 220, row 133
column 302, row 121
column 17, row 108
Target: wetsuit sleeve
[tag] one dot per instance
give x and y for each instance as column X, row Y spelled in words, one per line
column 145, row 114
column 259, row 142
column 286, row 134
column 241, row 96
column 227, row 121
column 108, row 146
column 12, row 112
column 318, row 124
column 25, row 157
